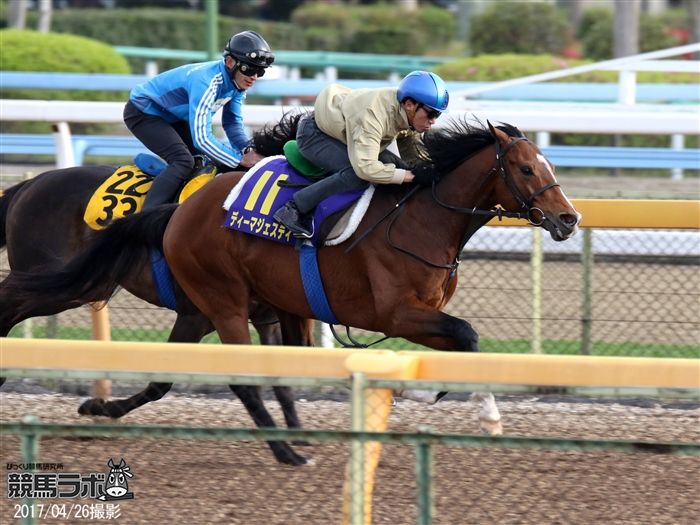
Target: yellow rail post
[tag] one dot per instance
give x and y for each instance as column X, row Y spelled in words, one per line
column 373, row 416
column 101, row 332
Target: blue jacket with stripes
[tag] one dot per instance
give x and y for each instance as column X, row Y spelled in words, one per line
column 194, row 93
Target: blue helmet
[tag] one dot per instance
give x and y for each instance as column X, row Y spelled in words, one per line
column 425, row 88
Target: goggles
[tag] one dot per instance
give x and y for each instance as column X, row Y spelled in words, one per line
column 431, row 113
column 250, row 70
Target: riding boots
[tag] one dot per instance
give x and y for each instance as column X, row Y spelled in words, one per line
column 300, row 224
column 162, row 191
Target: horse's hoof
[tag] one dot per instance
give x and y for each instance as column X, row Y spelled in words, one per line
column 92, row 407
column 491, row 428
column 289, row 457
column 100, row 407
column 421, row 396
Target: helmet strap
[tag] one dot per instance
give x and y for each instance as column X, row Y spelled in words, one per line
column 232, row 72
column 413, row 115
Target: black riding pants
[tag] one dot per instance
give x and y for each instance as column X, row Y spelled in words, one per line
column 171, row 142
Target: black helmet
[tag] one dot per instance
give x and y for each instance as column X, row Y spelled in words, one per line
column 251, row 48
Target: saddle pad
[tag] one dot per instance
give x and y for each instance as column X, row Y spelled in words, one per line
column 253, row 201
column 123, row 194
column 120, row 195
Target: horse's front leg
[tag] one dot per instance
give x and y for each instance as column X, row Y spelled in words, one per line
column 489, row 416
column 424, row 325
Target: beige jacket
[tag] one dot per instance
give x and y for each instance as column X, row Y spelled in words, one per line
column 367, row 120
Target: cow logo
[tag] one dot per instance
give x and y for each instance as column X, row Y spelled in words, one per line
column 116, row 485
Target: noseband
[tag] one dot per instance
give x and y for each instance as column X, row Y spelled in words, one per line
column 526, row 203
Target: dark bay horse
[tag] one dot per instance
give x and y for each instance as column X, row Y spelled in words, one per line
column 395, row 280
column 53, row 203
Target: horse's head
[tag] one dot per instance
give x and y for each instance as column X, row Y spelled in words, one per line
column 527, row 184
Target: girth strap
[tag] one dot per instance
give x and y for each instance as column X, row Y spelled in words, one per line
column 163, row 280
column 313, row 285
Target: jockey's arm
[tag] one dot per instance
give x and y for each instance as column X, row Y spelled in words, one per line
column 202, row 128
column 364, row 145
column 410, row 145
column 232, row 122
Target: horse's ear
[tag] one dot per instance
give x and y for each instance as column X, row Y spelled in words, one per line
column 496, row 133
column 492, row 129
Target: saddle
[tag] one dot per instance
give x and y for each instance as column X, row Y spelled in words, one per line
column 272, row 182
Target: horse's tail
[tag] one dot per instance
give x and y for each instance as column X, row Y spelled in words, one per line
column 271, row 139
column 95, row 273
column 5, row 199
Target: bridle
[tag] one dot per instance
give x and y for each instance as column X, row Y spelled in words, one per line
column 500, row 167
column 526, row 203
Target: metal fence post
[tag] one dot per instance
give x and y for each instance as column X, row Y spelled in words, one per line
column 586, row 292
column 424, row 478
column 536, row 263
column 677, row 143
column 30, row 453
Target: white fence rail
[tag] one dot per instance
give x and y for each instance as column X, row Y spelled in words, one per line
column 545, row 117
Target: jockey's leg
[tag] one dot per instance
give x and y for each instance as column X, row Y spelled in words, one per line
column 163, row 139
column 308, row 198
column 330, row 154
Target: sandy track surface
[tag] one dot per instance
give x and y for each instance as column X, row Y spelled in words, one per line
column 202, row 481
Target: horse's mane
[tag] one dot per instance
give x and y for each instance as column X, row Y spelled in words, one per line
column 446, row 147
column 271, row 138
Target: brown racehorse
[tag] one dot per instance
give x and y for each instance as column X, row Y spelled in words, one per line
column 395, row 280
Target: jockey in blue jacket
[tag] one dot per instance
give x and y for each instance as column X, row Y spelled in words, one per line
column 172, row 113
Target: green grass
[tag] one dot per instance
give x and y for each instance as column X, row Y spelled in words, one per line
column 515, row 346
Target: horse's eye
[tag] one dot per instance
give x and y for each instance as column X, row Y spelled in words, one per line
column 526, row 170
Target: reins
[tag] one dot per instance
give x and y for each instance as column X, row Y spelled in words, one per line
column 526, row 203
column 396, row 207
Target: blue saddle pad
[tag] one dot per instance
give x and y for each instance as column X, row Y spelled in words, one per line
column 259, row 195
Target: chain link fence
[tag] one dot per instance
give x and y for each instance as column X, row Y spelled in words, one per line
column 635, row 293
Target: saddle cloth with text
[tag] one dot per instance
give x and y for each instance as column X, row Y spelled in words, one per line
column 268, row 186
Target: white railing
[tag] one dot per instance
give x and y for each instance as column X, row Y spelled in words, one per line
column 548, row 117
column 627, row 67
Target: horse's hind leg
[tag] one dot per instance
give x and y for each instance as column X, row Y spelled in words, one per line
column 9, row 305
column 187, row 329
column 296, row 332
column 269, row 329
column 250, row 397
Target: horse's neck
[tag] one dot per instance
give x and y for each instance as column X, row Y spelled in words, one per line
column 468, row 186
column 442, row 231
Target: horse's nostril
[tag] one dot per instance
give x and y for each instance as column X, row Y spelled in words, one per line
column 568, row 219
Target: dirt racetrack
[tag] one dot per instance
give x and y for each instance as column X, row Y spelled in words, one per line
column 202, row 481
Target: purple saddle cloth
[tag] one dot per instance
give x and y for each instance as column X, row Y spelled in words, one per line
column 259, row 195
